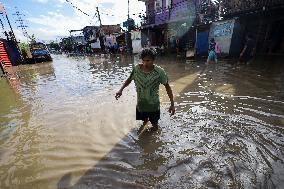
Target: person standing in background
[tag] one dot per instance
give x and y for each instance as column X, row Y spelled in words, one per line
column 248, row 51
column 212, row 57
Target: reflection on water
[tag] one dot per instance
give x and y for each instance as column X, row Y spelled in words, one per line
column 61, row 127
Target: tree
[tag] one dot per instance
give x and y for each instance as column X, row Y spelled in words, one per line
column 33, row 39
column 54, row 45
column 24, row 48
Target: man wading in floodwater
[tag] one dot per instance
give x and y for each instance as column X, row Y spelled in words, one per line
column 147, row 77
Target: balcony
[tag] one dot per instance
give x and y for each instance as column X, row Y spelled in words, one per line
column 180, row 10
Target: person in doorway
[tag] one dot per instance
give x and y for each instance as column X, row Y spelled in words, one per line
column 147, row 78
column 212, row 57
column 247, row 52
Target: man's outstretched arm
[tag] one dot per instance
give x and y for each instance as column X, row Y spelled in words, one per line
column 171, row 96
column 119, row 93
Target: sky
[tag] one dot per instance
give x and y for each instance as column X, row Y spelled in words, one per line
column 52, row 19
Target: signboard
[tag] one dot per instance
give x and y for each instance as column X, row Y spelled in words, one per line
column 222, row 32
column 125, row 24
column 223, row 29
column 129, row 23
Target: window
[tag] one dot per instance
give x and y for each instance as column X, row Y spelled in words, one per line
column 168, row 4
column 158, row 6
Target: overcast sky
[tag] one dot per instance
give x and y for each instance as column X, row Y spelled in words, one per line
column 51, row 19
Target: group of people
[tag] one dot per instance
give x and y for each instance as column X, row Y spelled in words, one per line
column 214, row 50
column 115, row 48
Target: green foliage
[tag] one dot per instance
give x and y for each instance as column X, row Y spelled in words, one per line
column 54, row 45
column 33, row 40
column 24, row 47
column 67, row 44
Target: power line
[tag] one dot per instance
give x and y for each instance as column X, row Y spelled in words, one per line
column 21, row 23
column 68, row 1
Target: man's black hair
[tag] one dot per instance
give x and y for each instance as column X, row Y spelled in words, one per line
column 148, row 52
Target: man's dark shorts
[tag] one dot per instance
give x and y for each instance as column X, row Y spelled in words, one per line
column 153, row 116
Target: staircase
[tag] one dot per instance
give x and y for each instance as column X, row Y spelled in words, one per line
column 4, row 58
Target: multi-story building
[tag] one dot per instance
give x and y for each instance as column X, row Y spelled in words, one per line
column 195, row 21
column 167, row 21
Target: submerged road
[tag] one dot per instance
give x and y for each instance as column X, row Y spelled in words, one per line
column 61, row 127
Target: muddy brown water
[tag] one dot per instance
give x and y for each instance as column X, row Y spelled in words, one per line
column 61, row 126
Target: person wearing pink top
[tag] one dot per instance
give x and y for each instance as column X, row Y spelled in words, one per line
column 217, row 50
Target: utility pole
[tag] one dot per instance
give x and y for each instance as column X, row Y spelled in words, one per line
column 101, row 33
column 128, row 10
column 128, row 34
column 99, row 16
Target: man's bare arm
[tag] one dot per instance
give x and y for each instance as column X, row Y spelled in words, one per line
column 119, row 93
column 171, row 97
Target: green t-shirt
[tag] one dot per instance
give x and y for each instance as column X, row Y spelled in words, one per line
column 147, row 87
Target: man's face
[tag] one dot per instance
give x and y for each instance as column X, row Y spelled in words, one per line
column 148, row 61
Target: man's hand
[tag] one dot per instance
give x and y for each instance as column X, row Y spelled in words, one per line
column 118, row 94
column 172, row 110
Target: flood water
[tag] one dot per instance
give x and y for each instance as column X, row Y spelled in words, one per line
column 61, row 126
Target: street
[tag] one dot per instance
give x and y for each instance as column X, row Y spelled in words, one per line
column 61, row 126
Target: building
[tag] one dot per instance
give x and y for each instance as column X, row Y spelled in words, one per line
column 111, row 29
column 100, row 36
column 188, row 23
column 91, row 33
column 169, row 23
column 264, row 20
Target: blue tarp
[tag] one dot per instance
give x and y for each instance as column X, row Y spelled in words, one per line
column 202, row 43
